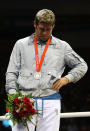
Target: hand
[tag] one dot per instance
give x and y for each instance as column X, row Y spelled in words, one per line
column 59, row 83
column 12, row 91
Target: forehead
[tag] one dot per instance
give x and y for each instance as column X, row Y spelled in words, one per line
column 44, row 25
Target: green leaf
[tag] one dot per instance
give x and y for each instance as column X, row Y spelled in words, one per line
column 18, row 91
column 29, row 95
column 30, row 117
column 11, row 97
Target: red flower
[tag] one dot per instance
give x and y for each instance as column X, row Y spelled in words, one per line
column 7, row 109
column 23, row 107
column 15, row 114
column 24, row 113
column 16, row 101
column 32, row 111
column 26, row 100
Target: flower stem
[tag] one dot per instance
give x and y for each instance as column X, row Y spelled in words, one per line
column 27, row 126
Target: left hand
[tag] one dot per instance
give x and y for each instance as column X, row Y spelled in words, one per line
column 60, row 83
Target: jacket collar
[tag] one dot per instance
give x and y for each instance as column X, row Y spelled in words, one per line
column 31, row 40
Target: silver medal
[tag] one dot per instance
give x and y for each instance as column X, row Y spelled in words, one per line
column 37, row 75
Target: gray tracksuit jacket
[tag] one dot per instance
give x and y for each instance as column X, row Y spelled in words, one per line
column 22, row 66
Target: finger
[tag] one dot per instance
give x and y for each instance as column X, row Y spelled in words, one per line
column 59, row 85
column 56, row 86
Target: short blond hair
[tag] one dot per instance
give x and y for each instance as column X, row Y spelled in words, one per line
column 45, row 16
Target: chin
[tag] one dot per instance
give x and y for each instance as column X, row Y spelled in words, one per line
column 44, row 39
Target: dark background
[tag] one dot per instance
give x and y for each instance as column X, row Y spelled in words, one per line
column 72, row 25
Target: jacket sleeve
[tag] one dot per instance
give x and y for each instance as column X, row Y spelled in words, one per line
column 76, row 63
column 13, row 69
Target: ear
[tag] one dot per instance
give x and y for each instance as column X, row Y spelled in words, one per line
column 34, row 24
column 53, row 25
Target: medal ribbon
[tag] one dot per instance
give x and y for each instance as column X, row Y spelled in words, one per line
column 39, row 65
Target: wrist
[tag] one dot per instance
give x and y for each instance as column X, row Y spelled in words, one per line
column 67, row 80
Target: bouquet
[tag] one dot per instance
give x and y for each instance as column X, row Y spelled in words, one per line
column 20, row 107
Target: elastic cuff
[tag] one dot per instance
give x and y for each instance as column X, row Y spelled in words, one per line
column 70, row 78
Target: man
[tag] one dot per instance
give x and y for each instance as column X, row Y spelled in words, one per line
column 37, row 63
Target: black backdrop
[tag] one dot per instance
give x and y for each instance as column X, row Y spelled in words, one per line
column 72, row 25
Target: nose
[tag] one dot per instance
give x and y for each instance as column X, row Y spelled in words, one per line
column 45, row 32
